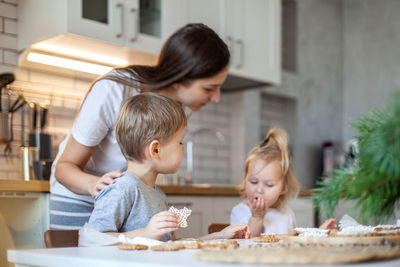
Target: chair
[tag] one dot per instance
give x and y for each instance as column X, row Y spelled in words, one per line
column 61, row 238
column 216, row 227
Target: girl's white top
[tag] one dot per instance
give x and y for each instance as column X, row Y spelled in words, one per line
column 275, row 221
column 95, row 127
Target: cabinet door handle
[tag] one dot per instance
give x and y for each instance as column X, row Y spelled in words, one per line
column 121, row 19
column 229, row 42
column 135, row 15
column 241, row 49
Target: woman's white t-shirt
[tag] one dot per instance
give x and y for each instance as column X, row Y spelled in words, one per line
column 275, row 221
column 95, row 126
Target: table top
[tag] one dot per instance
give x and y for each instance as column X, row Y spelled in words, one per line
column 112, row 256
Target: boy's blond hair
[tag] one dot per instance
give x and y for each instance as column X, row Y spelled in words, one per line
column 274, row 148
column 146, row 117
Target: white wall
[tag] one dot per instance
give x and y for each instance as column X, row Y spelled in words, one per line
column 316, row 86
column 371, row 59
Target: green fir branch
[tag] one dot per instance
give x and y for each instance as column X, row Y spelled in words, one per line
column 374, row 182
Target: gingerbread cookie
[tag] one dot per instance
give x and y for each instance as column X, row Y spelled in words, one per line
column 182, row 215
column 167, row 246
column 218, row 244
column 189, row 242
column 132, row 247
column 271, row 238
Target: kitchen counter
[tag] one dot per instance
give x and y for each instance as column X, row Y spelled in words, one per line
column 24, row 186
column 199, row 190
column 112, row 256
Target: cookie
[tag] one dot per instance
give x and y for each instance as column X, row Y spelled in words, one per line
column 311, row 231
column 182, row 215
column 132, row 247
column 189, row 243
column 271, row 238
column 218, row 244
column 167, row 246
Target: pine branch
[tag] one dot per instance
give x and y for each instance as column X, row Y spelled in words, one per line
column 375, row 180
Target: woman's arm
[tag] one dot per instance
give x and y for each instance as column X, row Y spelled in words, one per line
column 232, row 231
column 69, row 170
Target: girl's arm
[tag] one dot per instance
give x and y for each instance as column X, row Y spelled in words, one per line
column 256, row 225
column 258, row 210
column 69, row 170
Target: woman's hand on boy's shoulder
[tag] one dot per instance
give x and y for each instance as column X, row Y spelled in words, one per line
column 104, row 181
column 329, row 224
column 161, row 224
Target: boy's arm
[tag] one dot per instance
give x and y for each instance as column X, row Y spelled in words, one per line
column 159, row 225
column 112, row 207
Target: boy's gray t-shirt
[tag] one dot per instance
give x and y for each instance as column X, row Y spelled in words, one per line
column 127, row 205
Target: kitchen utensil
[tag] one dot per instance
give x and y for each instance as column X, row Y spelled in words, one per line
column 18, row 103
column 7, row 122
column 28, row 156
column 40, row 139
column 42, row 168
column 4, row 127
column 23, row 127
column 5, row 79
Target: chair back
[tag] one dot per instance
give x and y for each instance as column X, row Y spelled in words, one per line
column 61, row 238
column 216, row 227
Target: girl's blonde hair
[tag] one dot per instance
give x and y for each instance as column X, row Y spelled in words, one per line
column 146, row 117
column 274, row 148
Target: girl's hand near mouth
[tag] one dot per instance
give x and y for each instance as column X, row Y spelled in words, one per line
column 258, row 207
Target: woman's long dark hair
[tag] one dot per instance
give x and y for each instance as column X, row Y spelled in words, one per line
column 194, row 51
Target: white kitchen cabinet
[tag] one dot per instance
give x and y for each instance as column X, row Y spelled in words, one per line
column 253, row 33
column 209, row 12
column 251, row 29
column 24, row 216
column 137, row 24
column 205, row 210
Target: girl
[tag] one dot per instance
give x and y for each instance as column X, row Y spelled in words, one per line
column 192, row 66
column 268, row 185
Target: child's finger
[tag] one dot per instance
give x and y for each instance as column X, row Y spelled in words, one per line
column 262, row 203
column 168, row 225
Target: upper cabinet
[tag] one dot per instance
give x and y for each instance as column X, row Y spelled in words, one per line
column 138, row 24
column 251, row 29
column 252, row 32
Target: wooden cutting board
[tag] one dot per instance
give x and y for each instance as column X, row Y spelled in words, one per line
column 341, row 240
column 302, row 254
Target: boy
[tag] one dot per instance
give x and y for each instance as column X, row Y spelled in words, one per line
column 149, row 130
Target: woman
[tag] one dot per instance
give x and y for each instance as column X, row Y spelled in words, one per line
column 192, row 66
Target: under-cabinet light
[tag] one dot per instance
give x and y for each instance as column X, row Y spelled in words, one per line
column 84, row 54
column 68, row 63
